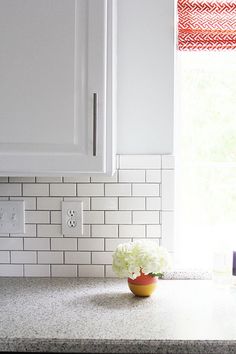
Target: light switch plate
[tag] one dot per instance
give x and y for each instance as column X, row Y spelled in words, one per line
column 12, row 217
column 72, row 218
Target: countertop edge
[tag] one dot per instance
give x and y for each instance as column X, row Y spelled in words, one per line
column 116, row 346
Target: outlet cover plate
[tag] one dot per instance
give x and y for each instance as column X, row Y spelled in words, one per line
column 12, row 217
column 72, row 218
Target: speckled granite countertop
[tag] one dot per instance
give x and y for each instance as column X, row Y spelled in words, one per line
column 102, row 316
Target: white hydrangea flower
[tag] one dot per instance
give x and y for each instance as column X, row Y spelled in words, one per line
column 129, row 258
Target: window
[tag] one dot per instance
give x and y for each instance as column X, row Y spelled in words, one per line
column 205, row 131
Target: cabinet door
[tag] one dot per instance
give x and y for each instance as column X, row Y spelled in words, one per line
column 53, row 79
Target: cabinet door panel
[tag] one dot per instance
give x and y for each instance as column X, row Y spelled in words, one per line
column 52, row 61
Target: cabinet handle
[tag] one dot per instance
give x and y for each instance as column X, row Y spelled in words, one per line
column 95, row 115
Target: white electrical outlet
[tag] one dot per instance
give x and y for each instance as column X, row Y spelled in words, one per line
column 12, row 217
column 72, row 218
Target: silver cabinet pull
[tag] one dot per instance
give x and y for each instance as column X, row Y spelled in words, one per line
column 95, row 116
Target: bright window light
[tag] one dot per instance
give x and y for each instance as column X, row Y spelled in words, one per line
column 205, row 151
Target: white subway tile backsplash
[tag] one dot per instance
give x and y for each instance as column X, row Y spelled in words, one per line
column 77, row 257
column 146, row 217
column 11, row 270
column 93, row 217
column 49, row 231
column 111, row 244
column 102, row 257
column 90, row 190
column 49, row 203
column 117, row 190
column 60, row 189
column 132, row 176
column 118, row 217
column 63, row 244
column 4, row 256
column 105, row 231
column 90, row 244
column 134, row 231
column 147, row 190
column 50, row 257
column 35, row 189
column 116, row 209
column 8, row 189
column 7, row 243
column 37, row 244
column 23, row 257
column 105, row 203
column 64, row 270
column 37, row 270
column 131, row 203
column 153, row 176
column 96, row 271
column 37, row 217
column 140, row 161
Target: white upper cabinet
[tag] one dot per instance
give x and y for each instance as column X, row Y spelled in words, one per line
column 57, row 86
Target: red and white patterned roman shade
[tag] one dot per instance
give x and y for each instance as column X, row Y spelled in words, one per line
column 206, row 24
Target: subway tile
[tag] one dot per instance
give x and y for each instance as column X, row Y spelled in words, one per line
column 93, row 217
column 111, row 244
column 131, row 203
column 61, row 189
column 4, row 257
column 86, row 201
column 23, row 257
column 48, row 179
column 140, row 161
column 49, row 203
column 86, row 231
column 153, row 176
column 63, row 244
column 49, row 231
column 118, row 217
column 77, row 257
column 30, row 231
column 22, row 179
column 11, row 270
column 100, row 178
column 146, row 217
column 7, row 189
column 90, row 244
column 90, row 190
column 102, row 257
column 30, row 202
column 37, row 217
column 55, row 217
column 153, row 203
column 146, row 190
column 83, row 178
column 117, row 190
column 132, row 176
column 131, row 231
column 3, row 179
column 35, row 189
column 167, row 189
column 153, row 231
column 104, row 203
column 104, row 231
column 167, row 220
column 96, row 271
column 168, row 162
column 50, row 257
column 64, row 270
column 8, row 244
column 37, row 244
column 37, row 270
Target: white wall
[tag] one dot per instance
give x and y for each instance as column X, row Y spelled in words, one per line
column 145, row 76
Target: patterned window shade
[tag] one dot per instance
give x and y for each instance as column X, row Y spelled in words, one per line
column 206, row 24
